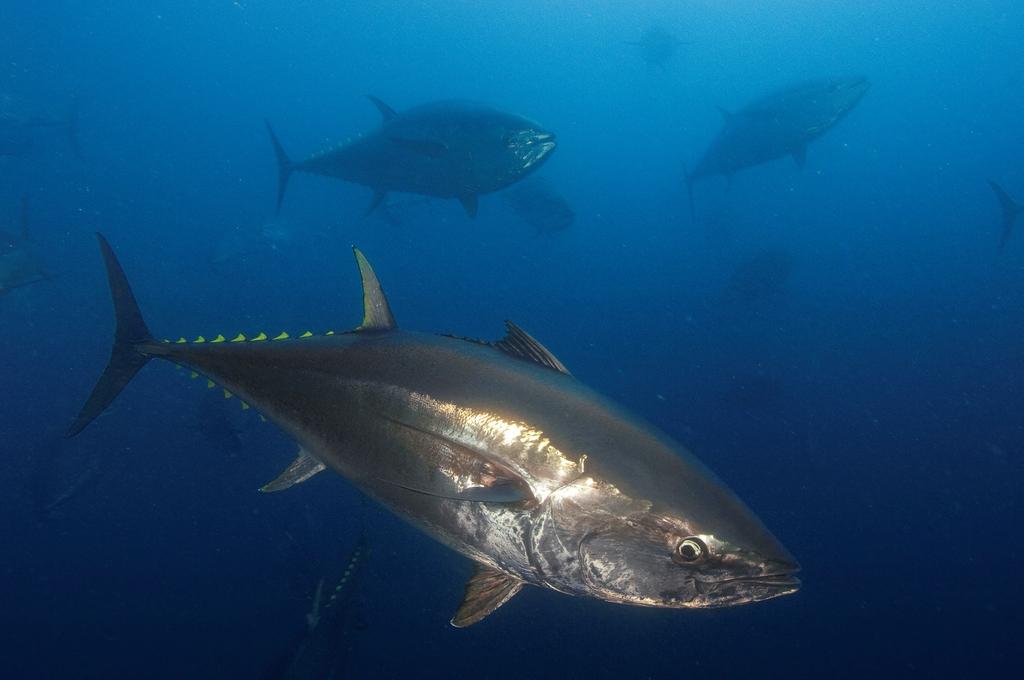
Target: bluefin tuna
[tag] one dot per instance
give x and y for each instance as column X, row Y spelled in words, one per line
column 447, row 149
column 657, row 46
column 539, row 204
column 17, row 129
column 776, row 125
column 493, row 449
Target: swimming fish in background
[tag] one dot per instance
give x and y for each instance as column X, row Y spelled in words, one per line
column 19, row 265
column 320, row 649
column 779, row 124
column 18, row 130
column 657, row 46
column 447, row 149
column 537, row 202
column 493, row 449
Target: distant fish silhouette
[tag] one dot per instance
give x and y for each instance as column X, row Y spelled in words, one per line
column 758, row 278
column 19, row 265
column 779, row 124
column 320, row 650
column 17, row 130
column 1011, row 209
column 657, row 46
column 60, row 472
column 540, row 205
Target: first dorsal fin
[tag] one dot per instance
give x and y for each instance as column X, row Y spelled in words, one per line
column 386, row 112
column 487, row 590
column 376, row 311
column 522, row 345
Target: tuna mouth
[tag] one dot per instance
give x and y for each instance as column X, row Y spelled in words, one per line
column 749, row 588
column 533, row 147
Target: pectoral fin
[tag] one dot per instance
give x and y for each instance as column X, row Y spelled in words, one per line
column 301, row 469
column 446, row 469
column 487, row 590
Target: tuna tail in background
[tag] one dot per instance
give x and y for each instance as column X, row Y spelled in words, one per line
column 284, row 167
column 1011, row 209
column 126, row 356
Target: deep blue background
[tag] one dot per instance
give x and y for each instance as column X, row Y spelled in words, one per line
column 890, row 462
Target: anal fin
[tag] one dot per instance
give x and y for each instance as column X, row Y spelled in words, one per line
column 800, row 156
column 302, row 468
column 470, row 203
column 487, row 590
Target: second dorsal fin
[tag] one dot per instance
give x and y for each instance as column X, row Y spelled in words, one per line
column 376, row 311
column 386, row 112
column 522, row 345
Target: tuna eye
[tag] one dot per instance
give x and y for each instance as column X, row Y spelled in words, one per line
column 690, row 549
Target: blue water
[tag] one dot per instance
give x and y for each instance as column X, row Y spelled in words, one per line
column 869, row 410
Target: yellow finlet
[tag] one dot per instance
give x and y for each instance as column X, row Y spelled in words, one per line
column 219, row 338
column 165, row 341
column 329, row 333
column 227, row 395
column 199, row 340
column 245, row 407
column 238, row 338
column 307, row 334
column 282, row 336
column 257, row 338
column 193, row 375
column 210, row 384
column 180, row 341
column 263, row 418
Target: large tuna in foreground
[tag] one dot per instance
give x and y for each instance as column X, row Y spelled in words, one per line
column 448, row 149
column 779, row 124
column 493, row 449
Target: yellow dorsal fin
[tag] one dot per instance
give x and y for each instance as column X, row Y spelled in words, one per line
column 307, row 334
column 238, row 338
column 281, row 336
column 219, row 338
column 227, row 395
column 199, row 340
column 376, row 312
column 261, row 336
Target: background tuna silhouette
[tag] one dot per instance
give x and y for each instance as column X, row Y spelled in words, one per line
column 868, row 409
